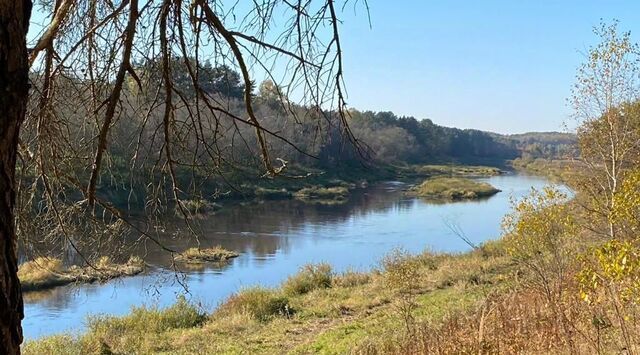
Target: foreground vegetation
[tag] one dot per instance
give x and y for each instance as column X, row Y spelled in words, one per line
column 44, row 272
column 443, row 188
column 315, row 310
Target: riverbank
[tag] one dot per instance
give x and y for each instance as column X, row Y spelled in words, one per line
column 45, row 273
column 555, row 169
column 323, row 187
column 313, row 311
column 282, row 235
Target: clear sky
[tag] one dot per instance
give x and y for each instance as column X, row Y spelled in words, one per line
column 500, row 65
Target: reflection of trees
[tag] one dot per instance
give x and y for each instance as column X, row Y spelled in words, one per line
column 60, row 298
column 266, row 228
column 262, row 229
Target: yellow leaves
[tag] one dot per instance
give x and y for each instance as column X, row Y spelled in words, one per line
column 538, row 224
column 615, row 265
column 626, row 203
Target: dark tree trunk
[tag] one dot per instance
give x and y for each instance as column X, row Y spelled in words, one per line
column 14, row 89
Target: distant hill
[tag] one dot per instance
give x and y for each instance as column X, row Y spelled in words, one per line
column 545, row 144
column 407, row 139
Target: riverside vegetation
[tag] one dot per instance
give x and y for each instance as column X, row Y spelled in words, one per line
column 563, row 278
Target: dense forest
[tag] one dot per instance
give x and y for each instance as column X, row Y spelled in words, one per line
column 380, row 137
column 217, row 154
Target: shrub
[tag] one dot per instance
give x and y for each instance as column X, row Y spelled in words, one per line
column 402, row 273
column 493, row 248
column 258, row 302
column 401, row 270
column 309, row 278
column 53, row 345
column 352, row 279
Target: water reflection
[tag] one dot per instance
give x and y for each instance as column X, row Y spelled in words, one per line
column 275, row 238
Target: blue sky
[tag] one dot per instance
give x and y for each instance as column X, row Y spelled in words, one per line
column 500, row 65
column 504, row 66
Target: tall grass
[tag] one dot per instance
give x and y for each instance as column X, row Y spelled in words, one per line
column 309, row 278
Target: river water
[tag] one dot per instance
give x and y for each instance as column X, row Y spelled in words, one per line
column 276, row 238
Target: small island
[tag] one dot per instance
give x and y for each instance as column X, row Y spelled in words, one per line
column 446, row 188
column 323, row 195
column 199, row 256
column 46, row 272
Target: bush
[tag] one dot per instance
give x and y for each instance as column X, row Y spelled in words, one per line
column 401, row 270
column 309, row 278
column 352, row 279
column 258, row 302
column 53, row 345
column 493, row 248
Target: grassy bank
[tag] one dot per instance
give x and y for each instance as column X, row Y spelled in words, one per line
column 444, row 188
column 327, row 187
column 44, row 272
column 314, row 311
column 457, row 170
column 556, row 170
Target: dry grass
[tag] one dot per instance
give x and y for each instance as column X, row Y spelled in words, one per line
column 352, row 279
column 45, row 272
column 40, row 270
column 309, row 278
column 326, row 195
column 198, row 256
column 457, row 170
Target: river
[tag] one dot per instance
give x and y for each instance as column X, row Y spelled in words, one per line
column 275, row 238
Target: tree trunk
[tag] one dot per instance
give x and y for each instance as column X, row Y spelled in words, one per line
column 14, row 90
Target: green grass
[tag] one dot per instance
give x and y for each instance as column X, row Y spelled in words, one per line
column 259, row 303
column 453, row 189
column 315, row 311
column 457, row 170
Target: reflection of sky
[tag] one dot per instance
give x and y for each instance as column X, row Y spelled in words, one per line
column 281, row 237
